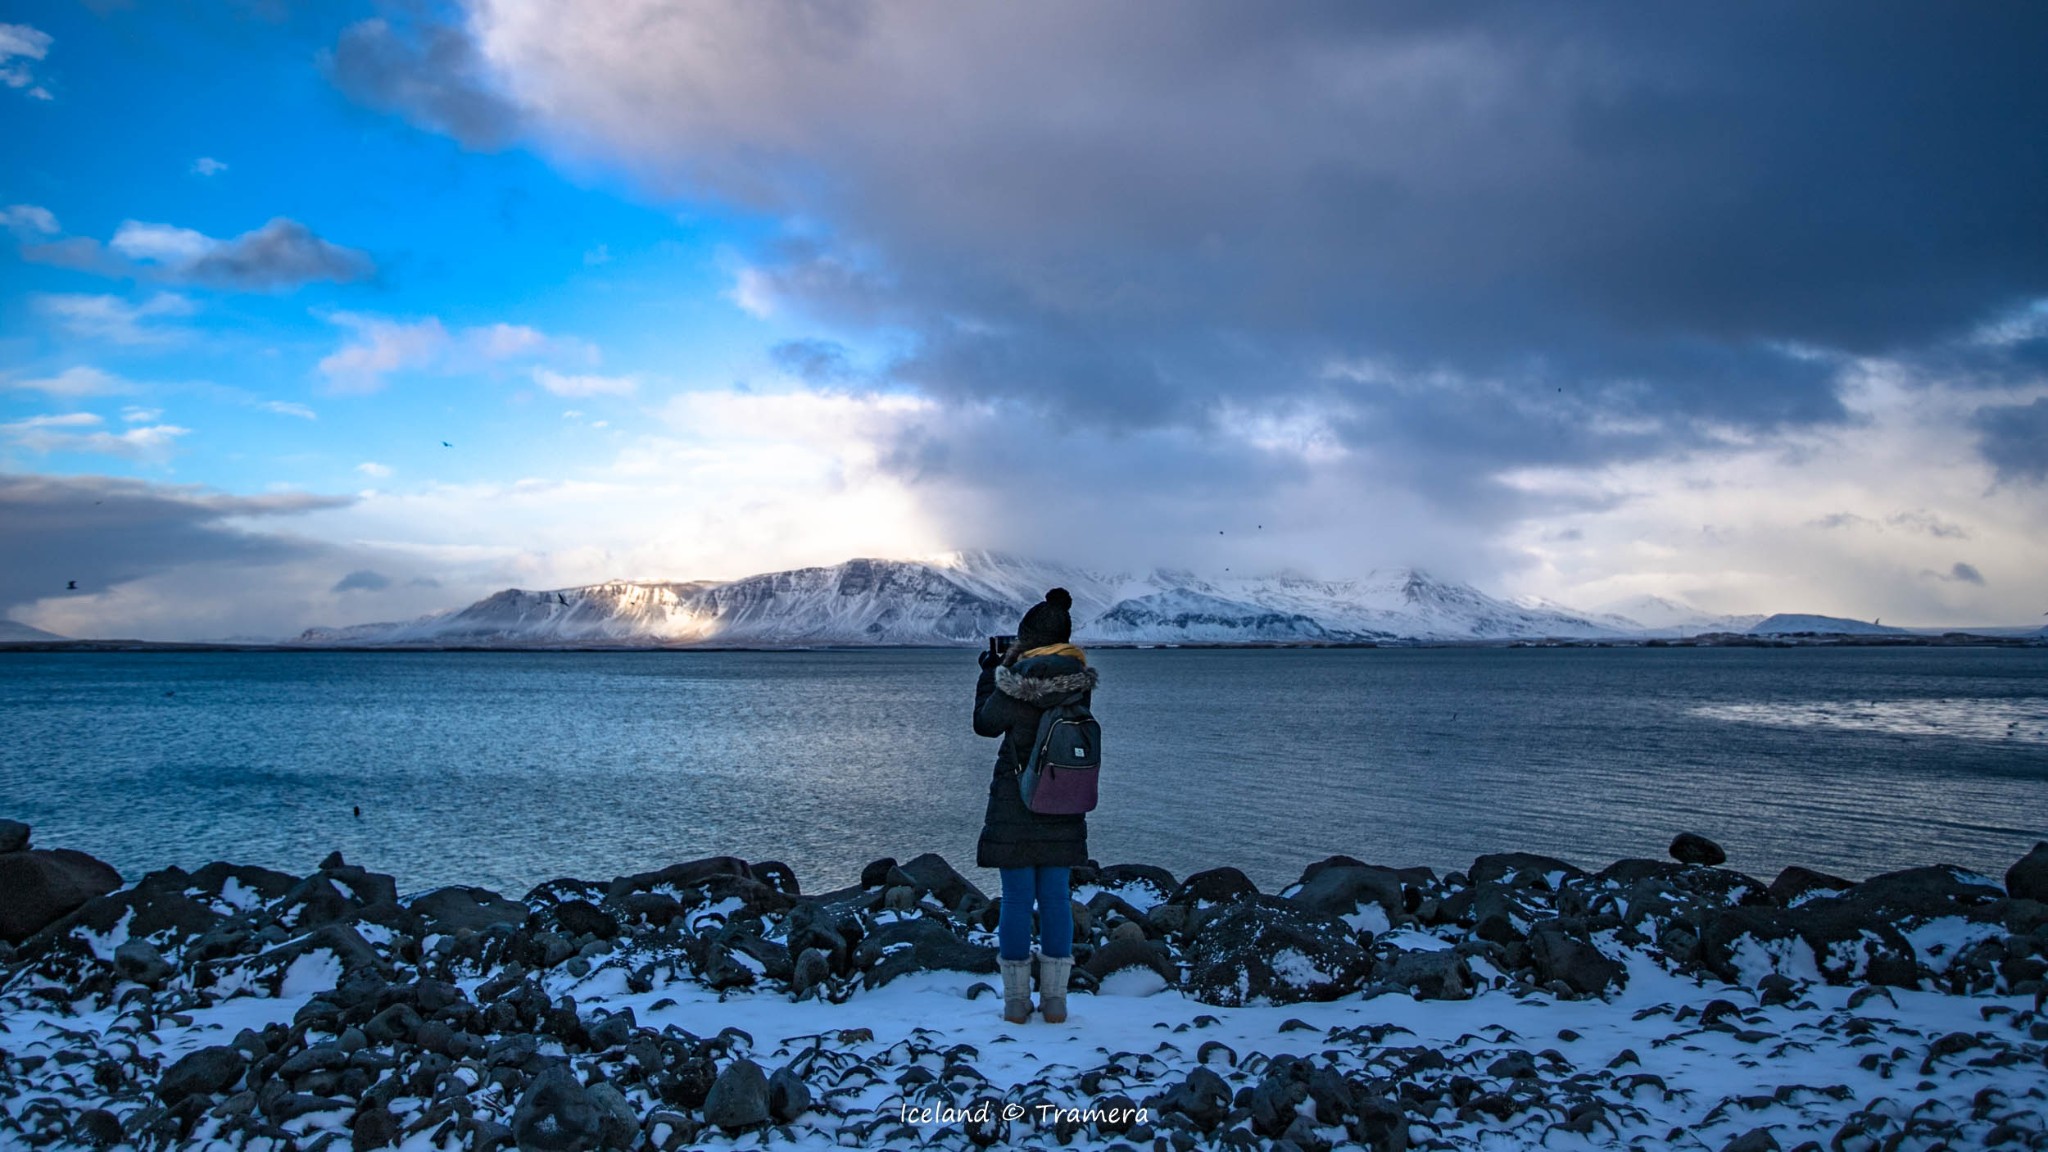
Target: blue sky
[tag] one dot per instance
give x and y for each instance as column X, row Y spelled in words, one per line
column 1746, row 312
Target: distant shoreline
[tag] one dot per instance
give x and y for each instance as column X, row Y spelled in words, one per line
column 1707, row 640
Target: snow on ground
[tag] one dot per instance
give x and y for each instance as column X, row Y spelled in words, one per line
column 1838, row 1057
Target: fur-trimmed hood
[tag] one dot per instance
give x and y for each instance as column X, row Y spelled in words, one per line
column 1040, row 691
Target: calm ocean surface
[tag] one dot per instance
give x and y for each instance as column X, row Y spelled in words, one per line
column 506, row 769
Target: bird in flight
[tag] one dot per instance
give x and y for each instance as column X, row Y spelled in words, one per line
column 446, row 444
column 71, row 585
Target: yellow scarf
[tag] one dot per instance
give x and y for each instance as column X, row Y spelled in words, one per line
column 1056, row 650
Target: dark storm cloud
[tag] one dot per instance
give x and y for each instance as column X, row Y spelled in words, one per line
column 427, row 70
column 363, row 579
column 1967, row 573
column 2014, row 437
column 1471, row 236
column 101, row 531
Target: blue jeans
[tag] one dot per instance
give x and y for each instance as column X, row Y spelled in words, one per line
column 1048, row 887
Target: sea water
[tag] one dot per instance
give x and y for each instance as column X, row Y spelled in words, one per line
column 506, row 769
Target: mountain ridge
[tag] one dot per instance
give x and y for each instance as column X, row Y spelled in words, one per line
column 957, row 599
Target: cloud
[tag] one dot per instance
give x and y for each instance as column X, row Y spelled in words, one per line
column 289, row 408
column 76, row 382
column 59, row 433
column 113, row 319
column 429, row 72
column 1966, row 573
column 155, row 559
column 20, row 47
column 208, row 166
column 133, row 414
column 281, row 255
column 1560, row 232
column 2014, row 437
column 380, row 347
column 29, row 221
column 585, row 384
column 363, row 579
column 374, row 470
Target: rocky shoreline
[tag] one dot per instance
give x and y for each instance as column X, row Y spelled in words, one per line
column 714, row 1003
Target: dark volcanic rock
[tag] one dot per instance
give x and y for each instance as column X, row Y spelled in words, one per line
column 1117, row 955
column 1559, row 955
column 1272, row 952
column 685, row 875
column 739, row 1097
column 930, row 873
column 933, row 947
column 138, row 960
column 1427, row 975
column 1133, row 875
column 1523, row 869
column 582, row 918
column 1693, row 848
column 449, row 910
column 203, row 1073
column 788, row 1096
column 1341, row 889
column 556, row 1114
column 13, row 836
column 2028, row 879
column 1216, row 886
column 40, row 886
column 1795, row 884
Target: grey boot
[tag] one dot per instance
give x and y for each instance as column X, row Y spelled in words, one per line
column 1016, row 989
column 1052, row 987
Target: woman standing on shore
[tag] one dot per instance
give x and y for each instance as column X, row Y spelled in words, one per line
column 1033, row 852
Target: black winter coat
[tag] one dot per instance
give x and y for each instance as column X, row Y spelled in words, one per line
column 1007, row 703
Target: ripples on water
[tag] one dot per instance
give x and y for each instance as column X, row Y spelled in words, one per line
column 510, row 768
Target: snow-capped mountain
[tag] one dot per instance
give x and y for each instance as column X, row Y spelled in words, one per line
column 961, row 597
column 1787, row 623
column 1667, row 617
column 14, row 631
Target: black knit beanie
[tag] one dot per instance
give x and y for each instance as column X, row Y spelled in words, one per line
column 1047, row 622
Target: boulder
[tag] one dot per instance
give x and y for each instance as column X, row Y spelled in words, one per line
column 1922, row 893
column 1122, row 953
column 450, row 910
column 1270, row 951
column 685, row 875
column 40, row 886
column 776, row 875
column 582, row 918
column 1558, row 954
column 2028, row 879
column 1119, row 876
column 1693, row 848
column 1440, row 975
column 738, row 1099
column 933, row 946
column 1795, row 885
column 1216, row 886
column 201, row 1073
column 138, row 960
column 556, row 1114
column 1342, row 889
column 1524, row 869
column 13, row 836
column 788, row 1096
column 930, row 873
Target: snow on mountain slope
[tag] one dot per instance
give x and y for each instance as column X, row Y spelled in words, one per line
column 960, row 597
column 14, row 631
column 1663, row 616
column 1785, row 623
column 1197, row 618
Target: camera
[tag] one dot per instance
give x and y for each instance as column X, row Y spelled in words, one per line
column 997, row 645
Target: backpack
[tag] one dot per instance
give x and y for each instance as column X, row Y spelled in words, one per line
column 1066, row 757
